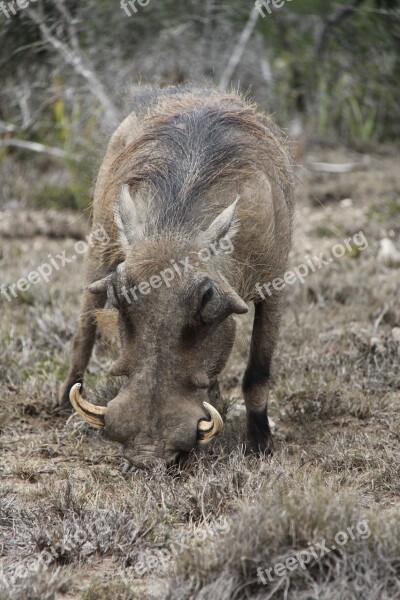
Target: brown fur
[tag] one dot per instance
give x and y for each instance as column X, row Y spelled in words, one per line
column 186, row 154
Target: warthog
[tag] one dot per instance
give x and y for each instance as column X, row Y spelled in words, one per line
column 190, row 173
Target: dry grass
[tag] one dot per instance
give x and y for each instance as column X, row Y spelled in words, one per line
column 202, row 530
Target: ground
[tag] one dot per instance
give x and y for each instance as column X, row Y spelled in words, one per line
column 73, row 524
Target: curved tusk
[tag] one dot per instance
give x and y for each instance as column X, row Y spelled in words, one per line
column 90, row 412
column 207, row 430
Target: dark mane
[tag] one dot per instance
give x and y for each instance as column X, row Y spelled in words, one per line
column 189, row 145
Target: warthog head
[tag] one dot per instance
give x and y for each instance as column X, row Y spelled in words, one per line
column 176, row 330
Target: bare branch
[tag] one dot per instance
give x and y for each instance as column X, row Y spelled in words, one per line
column 239, row 49
column 336, row 168
column 73, row 36
column 34, row 147
column 74, row 57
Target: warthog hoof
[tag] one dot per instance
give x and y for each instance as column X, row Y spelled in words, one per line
column 259, row 436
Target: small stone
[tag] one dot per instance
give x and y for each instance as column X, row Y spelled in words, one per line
column 377, row 346
column 396, row 334
column 388, row 253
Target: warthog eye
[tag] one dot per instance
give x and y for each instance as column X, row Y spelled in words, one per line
column 208, row 294
column 199, row 326
column 212, row 304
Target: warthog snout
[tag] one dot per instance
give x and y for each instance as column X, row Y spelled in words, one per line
column 163, row 439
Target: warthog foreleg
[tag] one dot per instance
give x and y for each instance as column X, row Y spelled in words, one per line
column 82, row 344
column 257, row 375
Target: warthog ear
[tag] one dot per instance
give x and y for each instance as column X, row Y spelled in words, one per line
column 226, row 224
column 126, row 217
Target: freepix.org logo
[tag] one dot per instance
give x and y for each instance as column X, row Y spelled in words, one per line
column 10, row 9
column 312, row 264
column 262, row 5
column 43, row 272
column 133, row 4
column 305, row 558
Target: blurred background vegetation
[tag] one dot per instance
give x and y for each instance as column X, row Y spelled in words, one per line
column 328, row 71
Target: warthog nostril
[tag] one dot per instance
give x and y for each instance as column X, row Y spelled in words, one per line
column 146, row 461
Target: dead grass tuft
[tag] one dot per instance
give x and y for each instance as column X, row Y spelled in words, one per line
column 300, row 511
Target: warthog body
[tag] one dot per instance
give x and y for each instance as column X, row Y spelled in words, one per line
column 197, row 182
